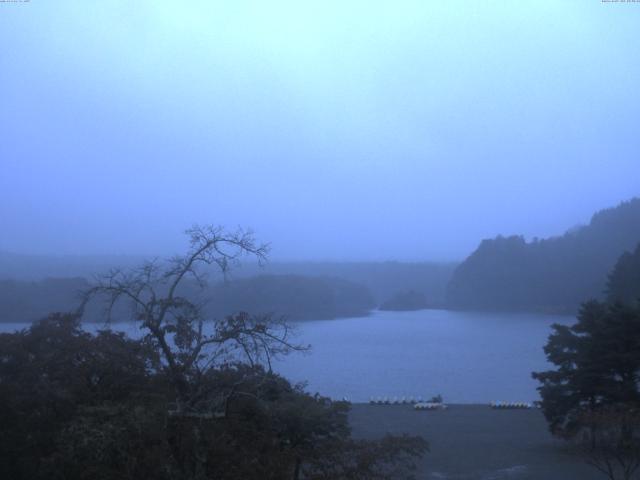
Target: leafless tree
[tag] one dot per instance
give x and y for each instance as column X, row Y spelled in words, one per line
column 190, row 344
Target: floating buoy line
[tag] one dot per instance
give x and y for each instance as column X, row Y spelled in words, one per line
column 420, row 404
column 511, row 405
column 395, row 400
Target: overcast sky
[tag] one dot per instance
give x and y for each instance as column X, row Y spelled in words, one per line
column 336, row 130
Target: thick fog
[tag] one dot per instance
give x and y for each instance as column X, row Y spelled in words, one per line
column 336, row 130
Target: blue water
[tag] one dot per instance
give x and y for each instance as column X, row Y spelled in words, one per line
column 467, row 357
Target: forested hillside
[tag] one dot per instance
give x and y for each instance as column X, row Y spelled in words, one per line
column 554, row 274
column 624, row 280
column 383, row 279
column 293, row 296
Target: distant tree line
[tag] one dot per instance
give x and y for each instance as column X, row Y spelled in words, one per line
column 292, row 296
column 404, row 301
column 555, row 274
column 382, row 279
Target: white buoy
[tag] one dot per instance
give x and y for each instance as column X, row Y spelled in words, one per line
column 429, row 406
column 510, row 405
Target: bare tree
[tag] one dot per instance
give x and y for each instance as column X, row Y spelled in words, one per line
column 190, row 344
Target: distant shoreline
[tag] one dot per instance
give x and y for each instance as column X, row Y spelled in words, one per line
column 364, row 315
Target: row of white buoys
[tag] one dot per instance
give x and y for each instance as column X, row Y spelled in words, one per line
column 394, row 400
column 430, row 406
column 510, row 405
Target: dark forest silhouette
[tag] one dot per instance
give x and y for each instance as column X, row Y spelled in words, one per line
column 555, row 274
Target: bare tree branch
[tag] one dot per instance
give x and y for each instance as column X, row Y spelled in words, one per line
column 178, row 325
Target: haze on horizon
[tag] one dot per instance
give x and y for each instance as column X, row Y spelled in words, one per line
column 335, row 130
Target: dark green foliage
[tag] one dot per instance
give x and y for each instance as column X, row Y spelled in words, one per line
column 77, row 406
column 49, row 375
column 410, row 300
column 624, row 281
column 597, row 365
column 114, row 440
column 593, row 397
column 555, row 274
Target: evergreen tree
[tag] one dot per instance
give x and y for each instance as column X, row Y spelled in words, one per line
column 624, row 281
column 593, row 395
column 598, row 364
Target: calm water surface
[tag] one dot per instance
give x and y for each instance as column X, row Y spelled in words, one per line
column 467, row 357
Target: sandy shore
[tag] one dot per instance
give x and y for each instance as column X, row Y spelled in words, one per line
column 477, row 442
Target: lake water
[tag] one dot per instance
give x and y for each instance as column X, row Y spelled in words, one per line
column 467, row 357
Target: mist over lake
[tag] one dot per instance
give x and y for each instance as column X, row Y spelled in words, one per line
column 326, row 240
